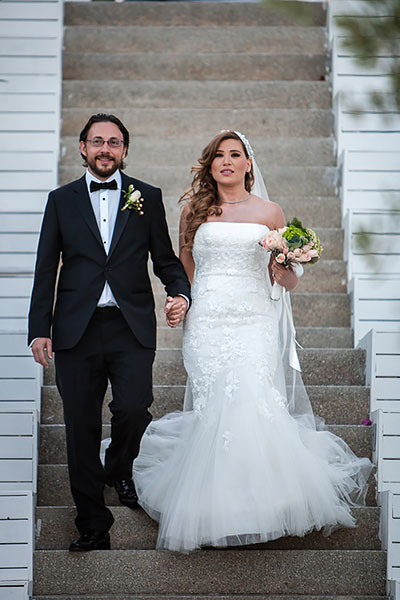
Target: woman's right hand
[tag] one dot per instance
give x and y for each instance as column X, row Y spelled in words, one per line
column 285, row 276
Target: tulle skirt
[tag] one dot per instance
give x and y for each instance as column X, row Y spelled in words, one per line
column 243, row 471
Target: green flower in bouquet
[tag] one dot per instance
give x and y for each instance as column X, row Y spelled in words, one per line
column 316, row 244
column 297, row 237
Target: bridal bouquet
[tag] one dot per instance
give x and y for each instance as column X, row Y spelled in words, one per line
column 291, row 246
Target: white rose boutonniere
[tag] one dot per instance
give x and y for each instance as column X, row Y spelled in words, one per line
column 133, row 200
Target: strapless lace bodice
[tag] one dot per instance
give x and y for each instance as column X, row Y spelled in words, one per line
column 230, row 263
column 231, row 253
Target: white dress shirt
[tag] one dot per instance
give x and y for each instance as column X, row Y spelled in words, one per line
column 105, row 205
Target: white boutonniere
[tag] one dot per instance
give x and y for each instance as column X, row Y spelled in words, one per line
column 133, row 200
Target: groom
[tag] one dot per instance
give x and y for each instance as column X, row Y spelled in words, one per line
column 103, row 324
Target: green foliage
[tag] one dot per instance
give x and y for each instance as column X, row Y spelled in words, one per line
column 369, row 37
column 302, row 13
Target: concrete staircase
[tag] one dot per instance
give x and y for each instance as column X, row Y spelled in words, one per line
column 177, row 73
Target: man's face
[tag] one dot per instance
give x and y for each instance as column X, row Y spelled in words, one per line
column 104, row 160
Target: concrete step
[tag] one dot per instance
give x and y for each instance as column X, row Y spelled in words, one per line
column 335, row 404
column 180, row 152
column 188, row 40
column 194, row 122
column 325, row 276
column 186, row 14
column 333, row 240
column 315, row 212
column 135, row 529
column 325, row 337
column 201, row 67
column 54, row 490
column 344, row 366
column 321, row 310
column 52, row 449
column 340, row 404
column 341, row 572
column 193, row 597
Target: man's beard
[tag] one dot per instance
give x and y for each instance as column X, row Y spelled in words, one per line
column 103, row 171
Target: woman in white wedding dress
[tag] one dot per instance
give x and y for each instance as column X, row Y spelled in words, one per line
column 244, row 462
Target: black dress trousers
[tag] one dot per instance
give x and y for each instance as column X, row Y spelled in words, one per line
column 107, row 351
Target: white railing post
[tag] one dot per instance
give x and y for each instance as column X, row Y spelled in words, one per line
column 30, row 107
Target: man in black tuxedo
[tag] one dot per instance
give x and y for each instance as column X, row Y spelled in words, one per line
column 103, row 325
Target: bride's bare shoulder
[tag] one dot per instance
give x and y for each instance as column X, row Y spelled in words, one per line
column 185, row 213
column 270, row 213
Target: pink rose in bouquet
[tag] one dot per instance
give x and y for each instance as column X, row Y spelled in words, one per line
column 291, row 246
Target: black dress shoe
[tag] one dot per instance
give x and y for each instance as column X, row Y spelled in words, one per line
column 126, row 492
column 91, row 540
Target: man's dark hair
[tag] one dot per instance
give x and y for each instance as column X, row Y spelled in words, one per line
column 104, row 118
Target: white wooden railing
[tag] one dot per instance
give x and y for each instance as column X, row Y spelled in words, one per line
column 390, row 534
column 368, row 150
column 372, row 241
column 30, row 94
column 383, row 377
column 375, row 304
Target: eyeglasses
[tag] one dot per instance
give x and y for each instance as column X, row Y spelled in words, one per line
column 98, row 142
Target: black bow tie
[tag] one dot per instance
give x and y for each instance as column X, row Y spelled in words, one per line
column 104, row 185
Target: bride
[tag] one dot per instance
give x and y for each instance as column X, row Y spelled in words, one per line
column 244, row 462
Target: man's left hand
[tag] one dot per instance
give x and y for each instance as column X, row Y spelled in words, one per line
column 175, row 310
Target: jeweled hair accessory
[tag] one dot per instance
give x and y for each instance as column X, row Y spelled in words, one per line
column 243, row 139
column 246, row 142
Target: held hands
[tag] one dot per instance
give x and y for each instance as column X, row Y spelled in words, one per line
column 286, row 277
column 175, row 310
column 38, row 348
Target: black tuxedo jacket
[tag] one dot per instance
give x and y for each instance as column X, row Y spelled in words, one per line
column 70, row 232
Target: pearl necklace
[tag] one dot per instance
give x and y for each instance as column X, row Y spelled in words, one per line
column 235, row 201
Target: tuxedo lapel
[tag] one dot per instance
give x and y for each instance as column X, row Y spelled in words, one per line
column 84, row 205
column 122, row 217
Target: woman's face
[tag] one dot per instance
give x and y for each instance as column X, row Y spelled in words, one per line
column 230, row 164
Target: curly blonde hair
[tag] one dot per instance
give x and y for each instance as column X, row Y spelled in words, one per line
column 202, row 196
